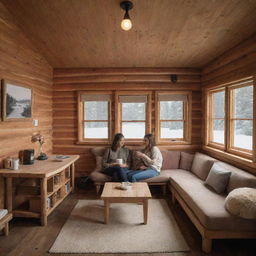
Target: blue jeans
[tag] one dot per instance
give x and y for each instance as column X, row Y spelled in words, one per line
column 134, row 176
column 117, row 173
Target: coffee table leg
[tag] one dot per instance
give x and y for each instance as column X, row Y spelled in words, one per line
column 145, row 210
column 106, row 208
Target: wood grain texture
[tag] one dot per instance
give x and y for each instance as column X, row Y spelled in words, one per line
column 65, row 130
column 236, row 64
column 21, row 63
column 165, row 33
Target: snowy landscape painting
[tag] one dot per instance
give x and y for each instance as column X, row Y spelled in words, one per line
column 17, row 101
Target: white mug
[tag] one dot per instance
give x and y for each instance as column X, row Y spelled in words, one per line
column 119, row 161
column 126, row 185
column 15, row 164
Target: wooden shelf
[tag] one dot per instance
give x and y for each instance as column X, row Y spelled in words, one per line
column 23, row 211
column 42, row 186
column 57, row 187
column 58, row 202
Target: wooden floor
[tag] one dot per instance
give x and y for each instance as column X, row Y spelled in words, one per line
column 28, row 238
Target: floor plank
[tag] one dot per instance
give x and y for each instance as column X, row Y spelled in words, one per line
column 28, row 238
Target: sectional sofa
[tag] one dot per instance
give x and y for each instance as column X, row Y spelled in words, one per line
column 193, row 183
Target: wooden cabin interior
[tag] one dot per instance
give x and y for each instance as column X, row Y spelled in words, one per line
column 59, row 57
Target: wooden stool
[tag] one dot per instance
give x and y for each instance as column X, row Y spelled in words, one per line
column 4, row 222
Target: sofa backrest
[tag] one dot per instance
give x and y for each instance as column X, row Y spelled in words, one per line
column 98, row 151
column 201, row 165
column 171, row 159
column 239, row 178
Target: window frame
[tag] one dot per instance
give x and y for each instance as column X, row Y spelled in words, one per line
column 230, row 147
column 210, row 120
column 118, row 113
column 187, row 125
column 81, row 121
column 228, row 132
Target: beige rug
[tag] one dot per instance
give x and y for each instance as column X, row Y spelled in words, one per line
column 85, row 232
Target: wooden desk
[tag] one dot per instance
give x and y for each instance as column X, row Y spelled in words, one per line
column 54, row 181
column 138, row 193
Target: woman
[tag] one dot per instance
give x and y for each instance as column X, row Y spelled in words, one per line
column 151, row 159
column 112, row 163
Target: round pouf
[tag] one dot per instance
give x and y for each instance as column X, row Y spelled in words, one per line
column 241, row 202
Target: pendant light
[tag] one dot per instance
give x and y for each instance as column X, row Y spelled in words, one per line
column 126, row 23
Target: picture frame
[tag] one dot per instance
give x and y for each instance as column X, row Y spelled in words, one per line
column 17, row 101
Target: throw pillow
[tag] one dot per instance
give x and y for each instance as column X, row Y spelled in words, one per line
column 186, row 161
column 136, row 162
column 241, row 202
column 171, row 159
column 218, row 178
column 201, row 165
column 99, row 166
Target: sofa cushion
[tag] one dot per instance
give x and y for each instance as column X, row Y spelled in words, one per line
column 98, row 151
column 218, row 178
column 164, row 176
column 186, row 161
column 171, row 159
column 136, row 161
column 208, row 206
column 99, row 166
column 239, row 178
column 99, row 177
column 201, row 165
column 241, row 202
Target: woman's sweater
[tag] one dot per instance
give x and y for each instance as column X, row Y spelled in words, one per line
column 153, row 158
column 110, row 157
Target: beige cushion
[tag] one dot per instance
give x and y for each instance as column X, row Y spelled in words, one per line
column 208, row 206
column 241, row 202
column 186, row 161
column 99, row 166
column 171, row 159
column 164, row 176
column 99, row 177
column 218, row 178
column 98, row 151
column 136, row 162
column 201, row 165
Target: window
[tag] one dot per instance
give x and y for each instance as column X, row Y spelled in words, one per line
column 230, row 122
column 94, row 117
column 172, row 116
column 241, row 118
column 217, row 117
column 133, row 117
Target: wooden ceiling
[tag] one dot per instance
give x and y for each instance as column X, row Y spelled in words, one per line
column 165, row 33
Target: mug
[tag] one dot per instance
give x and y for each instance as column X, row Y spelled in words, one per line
column 15, row 164
column 8, row 163
column 125, row 185
column 119, row 161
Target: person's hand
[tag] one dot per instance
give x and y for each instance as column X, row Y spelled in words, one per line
column 143, row 167
column 123, row 165
column 139, row 154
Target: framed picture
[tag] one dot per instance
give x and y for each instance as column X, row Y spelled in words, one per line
column 17, row 101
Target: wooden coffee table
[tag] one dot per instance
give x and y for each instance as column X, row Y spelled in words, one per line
column 138, row 193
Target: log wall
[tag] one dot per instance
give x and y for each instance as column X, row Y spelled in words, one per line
column 21, row 63
column 236, row 64
column 66, row 83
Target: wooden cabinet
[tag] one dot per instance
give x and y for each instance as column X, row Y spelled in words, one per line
column 36, row 190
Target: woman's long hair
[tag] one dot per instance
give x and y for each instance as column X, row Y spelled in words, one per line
column 116, row 140
column 151, row 139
